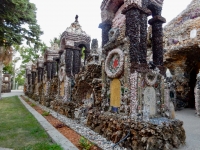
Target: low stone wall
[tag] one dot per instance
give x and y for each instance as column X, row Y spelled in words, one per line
column 64, row 108
column 157, row 134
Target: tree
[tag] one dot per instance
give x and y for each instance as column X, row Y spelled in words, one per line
column 28, row 54
column 8, row 68
column 17, row 23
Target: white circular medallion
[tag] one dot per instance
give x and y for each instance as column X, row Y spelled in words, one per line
column 114, row 63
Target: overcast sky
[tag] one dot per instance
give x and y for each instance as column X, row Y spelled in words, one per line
column 54, row 16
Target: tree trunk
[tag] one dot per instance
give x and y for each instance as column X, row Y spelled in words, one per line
column 1, row 68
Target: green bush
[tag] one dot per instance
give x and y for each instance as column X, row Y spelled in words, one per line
column 45, row 113
column 85, row 144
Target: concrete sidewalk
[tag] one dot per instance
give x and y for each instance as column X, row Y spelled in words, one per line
column 13, row 93
column 191, row 124
column 56, row 136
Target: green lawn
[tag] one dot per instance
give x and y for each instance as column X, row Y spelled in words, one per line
column 19, row 130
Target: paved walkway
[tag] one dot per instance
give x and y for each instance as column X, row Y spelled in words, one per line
column 192, row 128
column 13, row 93
column 1, row 148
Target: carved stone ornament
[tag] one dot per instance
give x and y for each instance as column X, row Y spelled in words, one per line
column 113, row 34
column 151, row 78
column 62, row 73
column 49, row 58
column 114, row 63
column 40, row 62
column 129, row 2
column 70, row 42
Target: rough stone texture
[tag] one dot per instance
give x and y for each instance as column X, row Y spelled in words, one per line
column 181, row 43
column 156, row 134
column 132, row 26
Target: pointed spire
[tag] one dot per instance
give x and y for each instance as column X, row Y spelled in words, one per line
column 76, row 18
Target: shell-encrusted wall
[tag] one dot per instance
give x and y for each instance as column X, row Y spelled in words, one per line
column 181, row 43
column 156, row 134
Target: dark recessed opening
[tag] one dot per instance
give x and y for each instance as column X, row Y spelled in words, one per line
column 192, row 83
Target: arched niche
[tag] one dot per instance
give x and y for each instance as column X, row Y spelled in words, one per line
column 84, row 49
column 115, row 93
column 109, row 8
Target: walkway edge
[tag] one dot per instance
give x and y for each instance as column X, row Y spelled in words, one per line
column 56, row 136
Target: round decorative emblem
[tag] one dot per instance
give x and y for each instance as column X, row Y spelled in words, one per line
column 151, row 78
column 61, row 73
column 114, row 63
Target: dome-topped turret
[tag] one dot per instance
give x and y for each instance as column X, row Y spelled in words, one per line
column 74, row 35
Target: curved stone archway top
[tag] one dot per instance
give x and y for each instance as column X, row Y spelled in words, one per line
column 110, row 7
column 74, row 34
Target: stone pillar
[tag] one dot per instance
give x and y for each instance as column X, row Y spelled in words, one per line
column 133, row 32
column 105, row 26
column 136, row 30
column 54, row 69
column 143, row 33
column 76, row 61
column 68, row 61
column 33, row 76
column 49, row 70
column 157, row 44
column 40, row 74
column 29, row 79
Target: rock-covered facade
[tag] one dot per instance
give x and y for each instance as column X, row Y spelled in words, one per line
column 117, row 93
column 181, row 44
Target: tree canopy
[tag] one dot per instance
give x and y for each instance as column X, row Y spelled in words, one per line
column 18, row 22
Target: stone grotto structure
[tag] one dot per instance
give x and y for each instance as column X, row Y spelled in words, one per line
column 113, row 90
column 181, row 44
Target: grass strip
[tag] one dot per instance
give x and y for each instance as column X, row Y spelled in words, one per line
column 19, row 130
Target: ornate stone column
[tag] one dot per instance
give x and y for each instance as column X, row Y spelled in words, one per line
column 54, row 69
column 76, row 61
column 29, row 79
column 143, row 33
column 33, row 76
column 157, row 34
column 68, row 61
column 105, row 26
column 40, row 74
column 136, row 30
column 49, row 70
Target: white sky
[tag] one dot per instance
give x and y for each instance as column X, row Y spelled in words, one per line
column 54, row 16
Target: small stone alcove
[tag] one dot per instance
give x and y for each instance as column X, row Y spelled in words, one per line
column 192, row 84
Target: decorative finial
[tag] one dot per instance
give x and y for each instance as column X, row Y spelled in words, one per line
column 76, row 18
